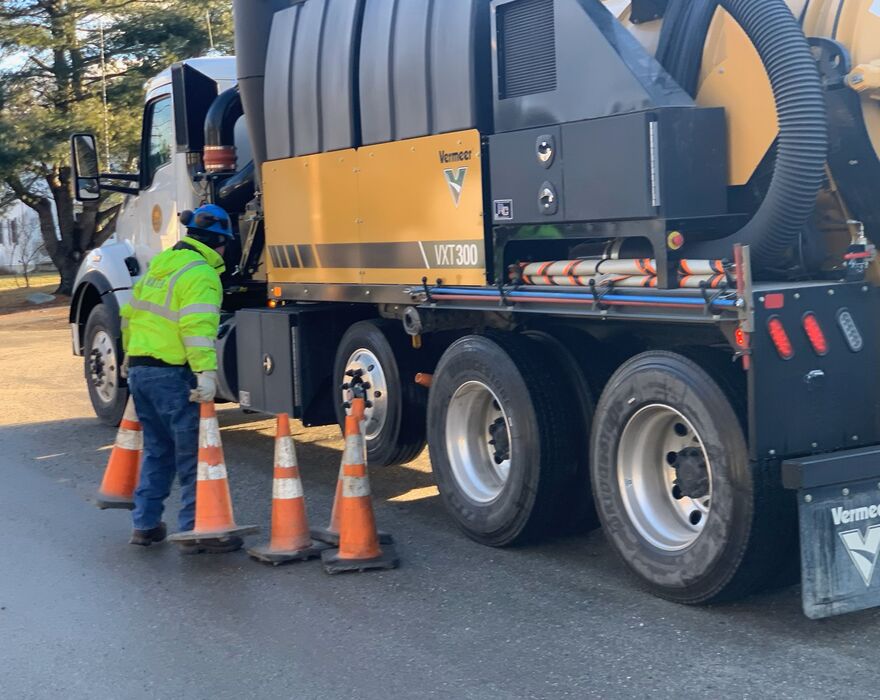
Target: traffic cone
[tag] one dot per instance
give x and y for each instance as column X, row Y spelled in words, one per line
column 330, row 534
column 290, row 539
column 214, row 519
column 359, row 548
column 124, row 466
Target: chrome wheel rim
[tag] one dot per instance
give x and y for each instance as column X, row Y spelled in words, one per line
column 654, row 446
column 478, row 442
column 103, row 367
column 377, row 393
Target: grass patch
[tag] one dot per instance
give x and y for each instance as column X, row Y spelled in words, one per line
column 13, row 293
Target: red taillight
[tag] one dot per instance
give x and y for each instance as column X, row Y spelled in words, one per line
column 774, row 301
column 815, row 334
column 780, row 338
column 740, row 337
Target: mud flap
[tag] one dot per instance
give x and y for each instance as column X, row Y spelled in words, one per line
column 840, row 545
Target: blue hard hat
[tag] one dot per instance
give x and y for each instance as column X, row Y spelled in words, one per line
column 208, row 218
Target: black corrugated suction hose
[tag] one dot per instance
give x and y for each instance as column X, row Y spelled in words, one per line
column 802, row 144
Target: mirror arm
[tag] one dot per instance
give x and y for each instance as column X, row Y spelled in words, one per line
column 125, row 177
column 122, row 189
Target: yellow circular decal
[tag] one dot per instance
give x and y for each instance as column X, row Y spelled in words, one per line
column 157, row 218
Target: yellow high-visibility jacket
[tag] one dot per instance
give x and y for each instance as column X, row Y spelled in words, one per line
column 174, row 314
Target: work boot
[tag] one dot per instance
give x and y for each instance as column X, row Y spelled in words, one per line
column 229, row 544
column 145, row 538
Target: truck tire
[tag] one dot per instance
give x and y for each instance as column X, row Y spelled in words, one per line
column 500, row 439
column 576, row 507
column 395, row 425
column 102, row 355
column 675, row 490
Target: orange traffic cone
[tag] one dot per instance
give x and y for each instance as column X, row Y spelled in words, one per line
column 214, row 519
column 330, row 534
column 290, row 539
column 358, row 538
column 124, row 465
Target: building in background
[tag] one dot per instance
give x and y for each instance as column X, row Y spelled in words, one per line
column 20, row 240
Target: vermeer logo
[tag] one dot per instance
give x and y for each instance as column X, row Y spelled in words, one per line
column 455, row 180
column 455, row 156
column 844, row 516
column 863, row 550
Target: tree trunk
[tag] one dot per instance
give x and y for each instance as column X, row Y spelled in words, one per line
column 70, row 252
column 68, row 269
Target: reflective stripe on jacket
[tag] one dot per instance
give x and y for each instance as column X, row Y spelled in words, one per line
column 174, row 314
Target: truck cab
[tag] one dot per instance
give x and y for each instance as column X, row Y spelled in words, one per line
column 162, row 187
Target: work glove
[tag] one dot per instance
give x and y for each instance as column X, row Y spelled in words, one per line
column 206, row 389
column 123, row 368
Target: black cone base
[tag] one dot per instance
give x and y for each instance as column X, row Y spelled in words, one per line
column 213, row 537
column 271, row 556
column 334, row 565
column 328, row 536
column 113, row 502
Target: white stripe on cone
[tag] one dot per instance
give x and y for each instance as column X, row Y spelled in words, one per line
column 285, row 453
column 209, row 433
column 130, row 412
column 287, row 489
column 130, row 439
column 211, row 472
column 354, row 450
column 355, row 486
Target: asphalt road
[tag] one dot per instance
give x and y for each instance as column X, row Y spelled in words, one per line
column 85, row 615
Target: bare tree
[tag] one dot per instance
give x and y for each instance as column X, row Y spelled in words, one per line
column 28, row 248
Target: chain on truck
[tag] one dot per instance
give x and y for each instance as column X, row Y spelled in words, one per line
column 627, row 247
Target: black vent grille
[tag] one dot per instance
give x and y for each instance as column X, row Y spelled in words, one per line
column 526, row 47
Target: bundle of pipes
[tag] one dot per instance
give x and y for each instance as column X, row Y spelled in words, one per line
column 601, row 280
column 637, row 272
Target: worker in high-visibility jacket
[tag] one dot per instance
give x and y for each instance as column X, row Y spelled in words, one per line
column 168, row 334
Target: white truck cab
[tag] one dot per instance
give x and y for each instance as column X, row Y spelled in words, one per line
column 148, row 223
column 149, row 220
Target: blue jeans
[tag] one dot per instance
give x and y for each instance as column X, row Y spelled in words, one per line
column 171, row 442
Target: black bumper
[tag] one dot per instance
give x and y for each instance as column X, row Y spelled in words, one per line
column 840, row 467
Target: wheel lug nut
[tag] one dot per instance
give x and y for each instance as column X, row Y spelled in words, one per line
column 377, row 394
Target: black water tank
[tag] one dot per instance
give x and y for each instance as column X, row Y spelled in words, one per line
column 424, row 68
column 310, row 98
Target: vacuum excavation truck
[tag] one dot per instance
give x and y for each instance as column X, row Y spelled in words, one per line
column 627, row 247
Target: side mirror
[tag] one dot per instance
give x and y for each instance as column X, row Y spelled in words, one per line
column 84, row 156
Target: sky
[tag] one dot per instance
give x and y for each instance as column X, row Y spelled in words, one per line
column 12, row 61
